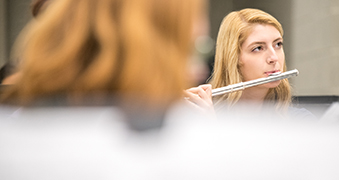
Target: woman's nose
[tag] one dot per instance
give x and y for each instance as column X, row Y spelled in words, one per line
column 272, row 56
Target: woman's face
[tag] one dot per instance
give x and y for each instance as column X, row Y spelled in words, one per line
column 262, row 54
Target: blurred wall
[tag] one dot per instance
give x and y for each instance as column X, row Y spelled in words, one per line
column 218, row 10
column 3, row 25
column 14, row 14
column 315, row 46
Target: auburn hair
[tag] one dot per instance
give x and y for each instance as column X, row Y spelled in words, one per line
column 127, row 47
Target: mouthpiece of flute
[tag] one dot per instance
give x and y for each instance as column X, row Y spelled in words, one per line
column 274, row 74
column 277, row 73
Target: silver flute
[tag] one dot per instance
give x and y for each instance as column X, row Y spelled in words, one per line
column 242, row 85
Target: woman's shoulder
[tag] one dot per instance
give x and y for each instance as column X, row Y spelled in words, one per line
column 301, row 113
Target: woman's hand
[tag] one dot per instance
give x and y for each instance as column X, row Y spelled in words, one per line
column 200, row 97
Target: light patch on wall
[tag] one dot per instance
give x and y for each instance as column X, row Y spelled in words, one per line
column 334, row 10
column 335, row 51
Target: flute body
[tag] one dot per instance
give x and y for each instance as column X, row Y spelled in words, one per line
column 256, row 82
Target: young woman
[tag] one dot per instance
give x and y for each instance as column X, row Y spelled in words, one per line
column 249, row 46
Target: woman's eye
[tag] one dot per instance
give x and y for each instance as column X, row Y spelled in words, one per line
column 279, row 44
column 257, row 49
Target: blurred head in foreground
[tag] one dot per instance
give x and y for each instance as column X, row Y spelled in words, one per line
column 134, row 49
column 249, row 46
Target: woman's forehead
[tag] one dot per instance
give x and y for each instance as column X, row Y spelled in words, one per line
column 262, row 33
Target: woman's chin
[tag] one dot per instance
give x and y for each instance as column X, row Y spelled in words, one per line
column 273, row 84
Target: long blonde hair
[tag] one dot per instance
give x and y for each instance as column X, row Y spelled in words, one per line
column 234, row 30
column 125, row 47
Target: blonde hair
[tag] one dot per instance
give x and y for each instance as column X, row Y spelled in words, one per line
column 234, row 30
column 126, row 47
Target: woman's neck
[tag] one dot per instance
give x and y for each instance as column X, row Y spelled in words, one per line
column 255, row 95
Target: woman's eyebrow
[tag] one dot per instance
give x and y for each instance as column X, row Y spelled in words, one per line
column 262, row 42
column 256, row 42
column 278, row 39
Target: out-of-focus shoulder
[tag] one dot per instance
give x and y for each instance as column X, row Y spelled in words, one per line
column 331, row 114
column 301, row 113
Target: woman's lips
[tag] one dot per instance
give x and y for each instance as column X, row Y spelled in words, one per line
column 271, row 72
